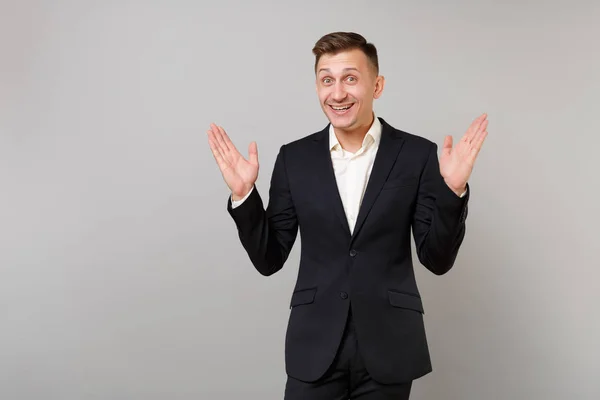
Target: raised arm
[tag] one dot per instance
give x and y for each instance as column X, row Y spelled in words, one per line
column 267, row 235
column 442, row 202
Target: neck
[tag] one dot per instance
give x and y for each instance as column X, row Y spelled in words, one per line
column 352, row 139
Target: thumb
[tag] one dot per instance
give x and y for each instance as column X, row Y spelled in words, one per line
column 447, row 148
column 253, row 153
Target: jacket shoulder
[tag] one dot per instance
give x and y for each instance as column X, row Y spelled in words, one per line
column 304, row 143
column 305, row 140
column 417, row 142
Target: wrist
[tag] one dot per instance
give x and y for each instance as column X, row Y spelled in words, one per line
column 458, row 190
column 461, row 191
column 239, row 195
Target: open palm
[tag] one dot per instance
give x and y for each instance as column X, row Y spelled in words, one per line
column 239, row 174
column 456, row 164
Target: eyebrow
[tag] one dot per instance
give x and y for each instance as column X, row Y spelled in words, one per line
column 345, row 69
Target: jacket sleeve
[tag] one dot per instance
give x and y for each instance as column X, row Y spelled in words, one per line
column 268, row 235
column 439, row 219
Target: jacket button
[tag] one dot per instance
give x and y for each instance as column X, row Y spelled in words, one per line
column 352, row 253
column 344, row 295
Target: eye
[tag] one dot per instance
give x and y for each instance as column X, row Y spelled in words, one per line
column 351, row 79
column 326, row 80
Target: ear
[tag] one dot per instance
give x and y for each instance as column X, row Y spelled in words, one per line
column 379, row 84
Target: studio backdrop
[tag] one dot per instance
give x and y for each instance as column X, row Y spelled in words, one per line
column 121, row 273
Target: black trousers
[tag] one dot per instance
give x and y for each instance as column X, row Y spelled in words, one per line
column 346, row 379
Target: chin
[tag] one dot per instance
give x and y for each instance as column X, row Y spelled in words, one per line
column 344, row 121
column 342, row 124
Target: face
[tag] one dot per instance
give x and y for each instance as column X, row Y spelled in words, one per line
column 347, row 84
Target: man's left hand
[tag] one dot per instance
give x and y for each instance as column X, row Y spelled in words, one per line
column 456, row 164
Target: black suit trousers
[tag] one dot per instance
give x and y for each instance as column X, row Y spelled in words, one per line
column 347, row 378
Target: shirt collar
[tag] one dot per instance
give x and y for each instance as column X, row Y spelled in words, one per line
column 373, row 134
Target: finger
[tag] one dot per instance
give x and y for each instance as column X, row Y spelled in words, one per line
column 480, row 131
column 474, row 128
column 212, row 136
column 447, row 146
column 214, row 148
column 227, row 140
column 480, row 139
column 253, row 153
column 483, row 126
column 216, row 151
column 477, row 145
column 219, row 136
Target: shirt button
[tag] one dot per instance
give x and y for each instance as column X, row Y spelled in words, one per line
column 344, row 295
column 352, row 253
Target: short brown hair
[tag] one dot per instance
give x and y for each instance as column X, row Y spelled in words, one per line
column 336, row 42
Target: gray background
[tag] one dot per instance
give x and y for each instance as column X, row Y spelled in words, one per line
column 121, row 275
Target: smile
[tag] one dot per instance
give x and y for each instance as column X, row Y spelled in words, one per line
column 341, row 109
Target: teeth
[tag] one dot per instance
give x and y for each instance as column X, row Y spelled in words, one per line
column 340, row 108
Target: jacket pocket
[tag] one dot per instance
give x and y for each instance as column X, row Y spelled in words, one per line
column 303, row 296
column 400, row 182
column 405, row 300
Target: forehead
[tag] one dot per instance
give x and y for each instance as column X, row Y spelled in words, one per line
column 341, row 62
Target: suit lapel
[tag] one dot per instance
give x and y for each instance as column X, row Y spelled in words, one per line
column 389, row 146
column 328, row 183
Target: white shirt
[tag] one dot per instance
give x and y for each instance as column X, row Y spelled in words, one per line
column 352, row 170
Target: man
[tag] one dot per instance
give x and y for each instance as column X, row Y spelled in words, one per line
column 354, row 190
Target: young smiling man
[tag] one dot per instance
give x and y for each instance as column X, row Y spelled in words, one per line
column 354, row 190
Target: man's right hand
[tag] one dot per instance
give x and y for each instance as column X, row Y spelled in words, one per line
column 239, row 174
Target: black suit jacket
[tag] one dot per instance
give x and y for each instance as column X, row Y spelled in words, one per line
column 370, row 270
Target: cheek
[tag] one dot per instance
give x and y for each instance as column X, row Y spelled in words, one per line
column 365, row 97
column 357, row 93
column 323, row 95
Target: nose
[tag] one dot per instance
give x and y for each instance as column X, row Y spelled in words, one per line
column 339, row 93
